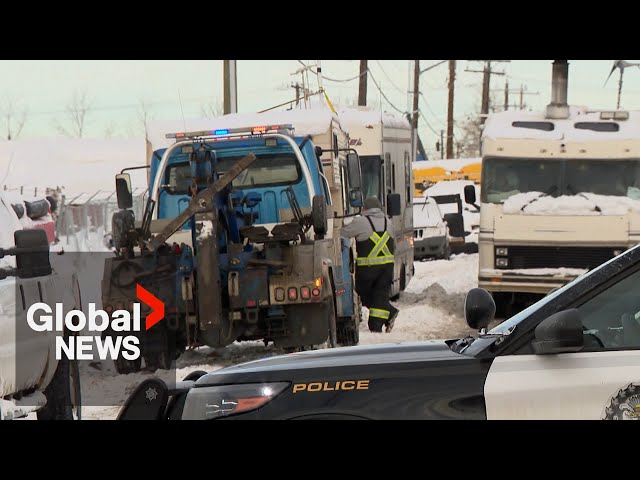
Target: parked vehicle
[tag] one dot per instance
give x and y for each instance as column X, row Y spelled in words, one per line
column 31, row 379
column 559, row 195
column 430, row 231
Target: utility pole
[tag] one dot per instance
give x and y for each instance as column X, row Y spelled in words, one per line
column 362, row 87
column 230, row 87
column 452, row 79
column 506, row 95
column 521, row 92
column 486, row 81
column 416, row 108
column 297, row 87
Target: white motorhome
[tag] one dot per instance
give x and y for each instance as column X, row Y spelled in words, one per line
column 384, row 143
column 559, row 195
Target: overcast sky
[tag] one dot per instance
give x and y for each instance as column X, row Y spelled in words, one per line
column 171, row 89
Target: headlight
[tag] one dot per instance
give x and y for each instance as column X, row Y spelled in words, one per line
column 502, row 262
column 214, row 402
column 502, row 251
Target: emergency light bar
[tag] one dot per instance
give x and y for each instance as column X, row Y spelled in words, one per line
column 233, row 132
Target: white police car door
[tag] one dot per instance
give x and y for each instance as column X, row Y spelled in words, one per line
column 602, row 381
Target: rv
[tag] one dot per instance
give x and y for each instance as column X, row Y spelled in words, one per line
column 559, row 195
column 384, row 144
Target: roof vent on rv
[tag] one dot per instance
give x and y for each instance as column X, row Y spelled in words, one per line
column 614, row 115
column 558, row 108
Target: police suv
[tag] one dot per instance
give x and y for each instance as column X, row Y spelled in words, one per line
column 575, row 354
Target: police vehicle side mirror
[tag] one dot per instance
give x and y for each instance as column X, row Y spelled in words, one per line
column 394, row 204
column 123, row 191
column 561, row 332
column 479, row 308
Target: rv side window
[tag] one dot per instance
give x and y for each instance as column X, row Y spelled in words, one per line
column 407, row 176
column 393, row 177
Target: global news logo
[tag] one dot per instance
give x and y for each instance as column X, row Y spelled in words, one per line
column 122, row 323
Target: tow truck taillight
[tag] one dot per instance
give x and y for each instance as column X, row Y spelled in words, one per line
column 279, row 294
column 315, row 292
column 293, row 293
column 305, row 293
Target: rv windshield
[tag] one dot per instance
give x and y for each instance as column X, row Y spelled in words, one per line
column 504, row 177
column 371, row 167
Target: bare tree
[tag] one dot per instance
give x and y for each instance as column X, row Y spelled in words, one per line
column 14, row 117
column 76, row 111
column 144, row 115
column 211, row 110
column 110, row 130
column 470, row 130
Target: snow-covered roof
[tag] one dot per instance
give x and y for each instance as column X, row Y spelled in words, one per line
column 313, row 121
column 75, row 165
column 361, row 116
column 500, row 125
column 453, row 164
column 450, row 187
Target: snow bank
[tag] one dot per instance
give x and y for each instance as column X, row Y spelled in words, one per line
column 536, row 203
column 11, row 409
column 432, row 306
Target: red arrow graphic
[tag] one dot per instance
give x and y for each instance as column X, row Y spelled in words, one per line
column 157, row 306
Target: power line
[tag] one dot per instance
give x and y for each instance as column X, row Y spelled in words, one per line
column 389, row 78
column 383, row 95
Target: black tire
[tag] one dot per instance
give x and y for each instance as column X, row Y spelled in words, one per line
column 124, row 366
column 158, row 360
column 58, row 393
column 348, row 334
column 333, row 324
column 446, row 255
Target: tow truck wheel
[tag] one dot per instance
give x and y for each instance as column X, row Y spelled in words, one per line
column 333, row 327
column 59, row 396
column 124, row 366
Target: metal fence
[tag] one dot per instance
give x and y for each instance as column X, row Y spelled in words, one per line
column 83, row 219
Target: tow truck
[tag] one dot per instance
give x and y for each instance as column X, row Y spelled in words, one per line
column 245, row 243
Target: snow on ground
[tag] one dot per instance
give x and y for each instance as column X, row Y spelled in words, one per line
column 430, row 308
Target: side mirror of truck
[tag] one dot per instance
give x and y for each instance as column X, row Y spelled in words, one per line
column 394, row 204
column 479, row 308
column 355, row 180
column 561, row 332
column 470, row 195
column 32, row 253
column 123, row 191
column 319, row 216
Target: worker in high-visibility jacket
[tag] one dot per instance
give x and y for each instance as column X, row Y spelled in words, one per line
column 373, row 233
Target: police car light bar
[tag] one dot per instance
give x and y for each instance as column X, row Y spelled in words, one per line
column 234, row 132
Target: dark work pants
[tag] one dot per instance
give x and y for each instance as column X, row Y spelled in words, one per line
column 373, row 284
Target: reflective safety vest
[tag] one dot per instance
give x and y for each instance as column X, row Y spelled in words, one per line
column 377, row 249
